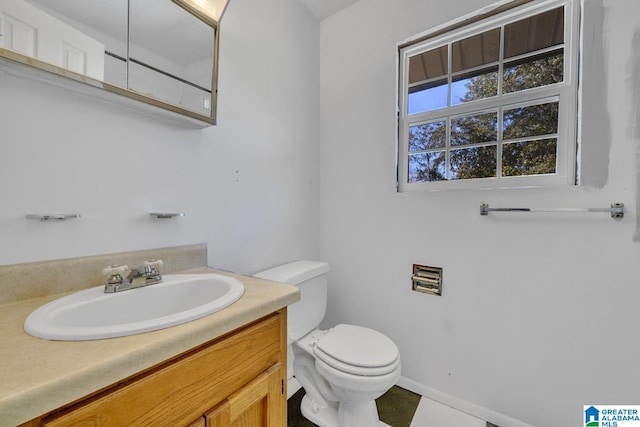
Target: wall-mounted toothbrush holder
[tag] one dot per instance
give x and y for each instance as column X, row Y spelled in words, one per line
column 166, row 215
column 52, row 217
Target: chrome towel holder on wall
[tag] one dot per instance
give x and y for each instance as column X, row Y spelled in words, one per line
column 616, row 210
column 52, row 217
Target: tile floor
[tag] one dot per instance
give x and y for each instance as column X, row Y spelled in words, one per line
column 433, row 414
column 401, row 408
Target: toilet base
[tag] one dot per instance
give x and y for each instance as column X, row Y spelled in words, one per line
column 327, row 416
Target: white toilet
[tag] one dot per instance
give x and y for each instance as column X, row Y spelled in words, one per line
column 342, row 369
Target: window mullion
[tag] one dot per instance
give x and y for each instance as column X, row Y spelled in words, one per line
column 500, row 108
column 500, row 141
column 449, row 74
column 447, row 154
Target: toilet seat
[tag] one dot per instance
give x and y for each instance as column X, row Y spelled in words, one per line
column 358, row 350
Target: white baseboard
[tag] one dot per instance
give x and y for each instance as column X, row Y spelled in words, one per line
column 493, row 417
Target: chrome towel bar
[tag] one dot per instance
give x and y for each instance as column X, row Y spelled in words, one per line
column 616, row 210
column 52, row 217
column 166, row 215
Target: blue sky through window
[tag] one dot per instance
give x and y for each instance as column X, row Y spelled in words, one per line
column 428, row 99
column 436, row 97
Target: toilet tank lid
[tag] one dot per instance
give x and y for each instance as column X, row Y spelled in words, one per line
column 295, row 272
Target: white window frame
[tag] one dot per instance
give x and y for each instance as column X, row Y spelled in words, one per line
column 566, row 91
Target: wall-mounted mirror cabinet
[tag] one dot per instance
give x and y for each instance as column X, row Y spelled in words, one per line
column 160, row 52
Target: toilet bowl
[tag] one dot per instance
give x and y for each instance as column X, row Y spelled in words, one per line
column 342, row 369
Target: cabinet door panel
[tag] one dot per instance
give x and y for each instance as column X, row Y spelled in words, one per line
column 258, row 404
column 200, row 422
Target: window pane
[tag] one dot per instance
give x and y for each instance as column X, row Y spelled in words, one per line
column 474, row 129
column 534, row 71
column 475, row 51
column 475, row 162
column 426, row 167
column 532, row 120
column 428, row 97
column 529, row 157
column 427, row 136
column 429, row 65
column 535, row 33
column 477, row 85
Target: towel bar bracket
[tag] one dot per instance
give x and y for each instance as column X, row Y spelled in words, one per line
column 617, row 210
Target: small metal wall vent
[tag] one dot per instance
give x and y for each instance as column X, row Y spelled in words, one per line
column 427, row 279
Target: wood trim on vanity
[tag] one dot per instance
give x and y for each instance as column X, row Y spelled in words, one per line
column 180, row 391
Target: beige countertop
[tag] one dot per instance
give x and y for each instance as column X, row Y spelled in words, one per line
column 37, row 376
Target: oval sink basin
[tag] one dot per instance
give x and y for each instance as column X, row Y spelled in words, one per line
column 91, row 314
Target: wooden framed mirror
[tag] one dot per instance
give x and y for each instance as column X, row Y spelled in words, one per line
column 163, row 53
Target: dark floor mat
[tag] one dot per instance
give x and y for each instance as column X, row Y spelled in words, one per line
column 396, row 408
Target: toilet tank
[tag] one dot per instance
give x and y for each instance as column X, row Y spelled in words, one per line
column 311, row 278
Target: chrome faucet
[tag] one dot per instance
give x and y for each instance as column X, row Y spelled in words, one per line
column 122, row 278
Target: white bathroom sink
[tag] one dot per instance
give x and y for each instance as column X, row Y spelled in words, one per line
column 92, row 314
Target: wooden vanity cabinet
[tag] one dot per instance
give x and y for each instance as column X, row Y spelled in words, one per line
column 238, row 379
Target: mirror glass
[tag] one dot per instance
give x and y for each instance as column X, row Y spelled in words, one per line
column 170, row 54
column 156, row 51
column 74, row 35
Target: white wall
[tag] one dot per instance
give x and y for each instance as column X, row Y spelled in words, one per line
column 249, row 186
column 539, row 313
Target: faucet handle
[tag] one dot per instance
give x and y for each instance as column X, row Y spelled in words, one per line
column 154, row 263
column 152, row 270
column 116, row 270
